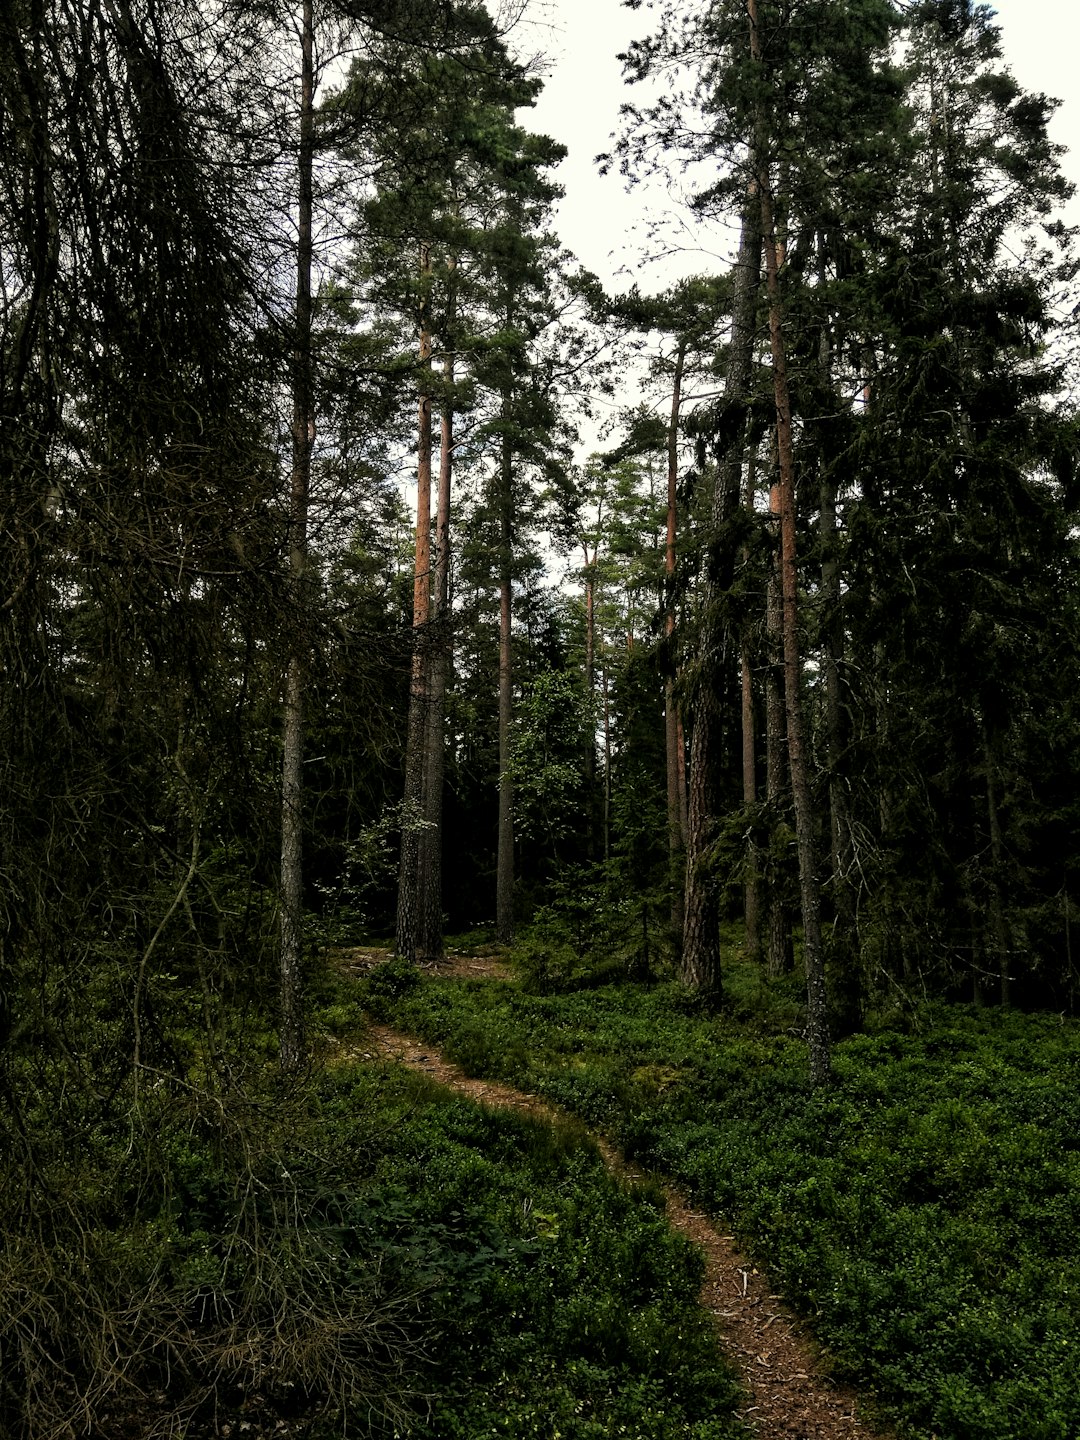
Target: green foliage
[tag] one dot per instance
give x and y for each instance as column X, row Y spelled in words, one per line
column 592, row 930
column 356, row 1253
column 563, row 1303
column 547, row 746
column 198, row 1253
column 921, row 1210
column 396, row 977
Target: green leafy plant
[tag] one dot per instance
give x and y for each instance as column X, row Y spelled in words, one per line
column 921, row 1210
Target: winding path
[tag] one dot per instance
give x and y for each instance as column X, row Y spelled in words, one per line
column 790, row 1395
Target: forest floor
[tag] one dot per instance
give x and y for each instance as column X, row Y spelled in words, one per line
column 789, row 1392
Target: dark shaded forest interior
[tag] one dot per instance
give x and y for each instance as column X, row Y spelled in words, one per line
column 748, row 739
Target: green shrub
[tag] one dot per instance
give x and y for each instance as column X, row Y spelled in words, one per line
column 923, row 1211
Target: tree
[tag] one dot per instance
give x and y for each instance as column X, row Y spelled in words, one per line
column 818, row 1032
column 779, row 105
column 690, row 315
column 454, row 183
column 516, row 254
column 303, row 435
column 140, row 527
column 965, row 502
column 700, row 962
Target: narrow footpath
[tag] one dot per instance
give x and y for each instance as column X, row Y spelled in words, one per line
column 790, row 1395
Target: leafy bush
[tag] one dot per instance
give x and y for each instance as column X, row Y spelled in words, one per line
column 593, row 931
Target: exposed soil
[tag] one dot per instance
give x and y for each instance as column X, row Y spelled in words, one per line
column 790, row 1395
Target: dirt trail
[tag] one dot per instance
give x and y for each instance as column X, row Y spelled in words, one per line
column 789, row 1394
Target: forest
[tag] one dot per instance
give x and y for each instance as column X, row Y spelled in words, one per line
column 376, row 581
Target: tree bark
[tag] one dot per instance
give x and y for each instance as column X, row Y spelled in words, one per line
column 413, row 813
column 816, row 1001
column 590, row 699
column 606, row 716
column 504, row 876
column 673, row 740
column 700, row 960
column 844, row 951
column 291, row 1033
column 779, row 958
column 429, row 883
column 844, row 948
column 999, row 932
column 752, row 887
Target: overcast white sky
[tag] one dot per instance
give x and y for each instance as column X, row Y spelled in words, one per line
column 604, row 226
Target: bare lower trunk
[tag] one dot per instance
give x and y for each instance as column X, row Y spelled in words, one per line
column 999, row 935
column 780, row 957
column 816, row 1001
column 504, row 879
column 844, row 948
column 291, row 1036
column 606, row 717
column 429, row 874
column 677, row 807
column 590, row 694
column 752, row 886
column 680, row 760
column 676, row 801
column 700, row 962
column 413, row 813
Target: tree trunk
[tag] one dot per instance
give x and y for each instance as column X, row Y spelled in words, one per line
column 504, row 879
column 700, row 961
column 752, row 887
column 590, row 697
column 291, row 1035
column 429, row 878
column 413, row 813
column 676, row 795
column 607, row 756
column 845, row 951
column 847, row 991
column 779, row 959
column 999, row 933
column 816, row 1000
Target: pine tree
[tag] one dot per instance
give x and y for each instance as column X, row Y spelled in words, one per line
column 303, row 435
column 960, row 502
column 792, row 103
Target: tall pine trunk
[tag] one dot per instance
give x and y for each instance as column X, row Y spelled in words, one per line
column 999, row 930
column 590, row 698
column 845, row 950
column 429, row 880
column 752, row 884
column 413, row 808
column 847, row 991
column 291, row 1035
column 606, row 719
column 816, row 1003
column 504, row 875
column 699, row 966
column 779, row 951
column 673, row 736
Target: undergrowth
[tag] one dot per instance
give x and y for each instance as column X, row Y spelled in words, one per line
column 350, row 1253
column 922, row 1211
column 196, row 1256
column 560, row 1304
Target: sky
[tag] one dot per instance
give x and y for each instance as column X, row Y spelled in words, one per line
column 604, row 226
